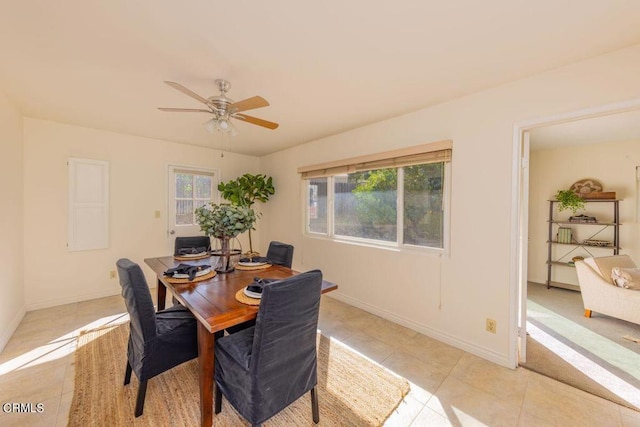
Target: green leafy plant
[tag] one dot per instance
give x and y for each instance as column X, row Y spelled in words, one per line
column 567, row 199
column 245, row 190
column 224, row 220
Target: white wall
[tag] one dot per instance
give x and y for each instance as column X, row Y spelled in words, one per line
column 12, row 302
column 138, row 188
column 449, row 298
column 614, row 165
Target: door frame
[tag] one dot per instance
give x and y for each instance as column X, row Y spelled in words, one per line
column 520, row 204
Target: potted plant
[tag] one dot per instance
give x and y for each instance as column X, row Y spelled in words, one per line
column 567, row 199
column 224, row 222
column 245, row 191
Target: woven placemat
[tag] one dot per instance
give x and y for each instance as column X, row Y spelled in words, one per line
column 252, row 267
column 196, row 279
column 190, row 258
column 240, row 296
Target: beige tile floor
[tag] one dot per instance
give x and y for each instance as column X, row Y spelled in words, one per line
column 449, row 387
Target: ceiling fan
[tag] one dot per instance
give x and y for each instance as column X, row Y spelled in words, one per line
column 223, row 108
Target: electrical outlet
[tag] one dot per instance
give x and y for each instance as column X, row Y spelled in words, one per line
column 491, row 326
column 112, row 274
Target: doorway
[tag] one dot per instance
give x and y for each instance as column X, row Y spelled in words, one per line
column 525, row 143
column 188, row 189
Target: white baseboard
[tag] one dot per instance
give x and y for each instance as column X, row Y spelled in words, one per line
column 485, row 353
column 72, row 299
column 11, row 327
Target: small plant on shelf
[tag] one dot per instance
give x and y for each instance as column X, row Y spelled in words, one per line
column 567, row 199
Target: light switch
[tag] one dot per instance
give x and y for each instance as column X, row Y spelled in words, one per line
column 157, row 214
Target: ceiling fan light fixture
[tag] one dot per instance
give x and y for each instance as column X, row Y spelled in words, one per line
column 221, row 124
column 210, row 125
column 232, row 129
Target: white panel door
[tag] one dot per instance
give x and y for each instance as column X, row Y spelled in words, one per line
column 88, row 211
column 189, row 188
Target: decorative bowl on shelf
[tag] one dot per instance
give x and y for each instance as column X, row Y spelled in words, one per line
column 586, row 186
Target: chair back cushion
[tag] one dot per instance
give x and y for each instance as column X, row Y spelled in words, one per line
column 141, row 311
column 283, row 356
column 192, row 242
column 280, row 254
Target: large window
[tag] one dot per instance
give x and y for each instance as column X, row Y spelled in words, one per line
column 402, row 205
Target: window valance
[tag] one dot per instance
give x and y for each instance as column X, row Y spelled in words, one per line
column 433, row 152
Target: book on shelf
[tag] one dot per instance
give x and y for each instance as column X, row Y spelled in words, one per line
column 564, row 235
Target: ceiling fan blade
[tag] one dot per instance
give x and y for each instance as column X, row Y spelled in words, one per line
column 184, row 110
column 186, row 91
column 249, row 104
column 256, row 121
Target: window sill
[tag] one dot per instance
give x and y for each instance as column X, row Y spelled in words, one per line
column 386, row 246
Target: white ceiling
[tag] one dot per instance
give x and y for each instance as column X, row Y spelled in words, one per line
column 325, row 66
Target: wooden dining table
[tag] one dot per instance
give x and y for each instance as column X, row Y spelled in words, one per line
column 214, row 305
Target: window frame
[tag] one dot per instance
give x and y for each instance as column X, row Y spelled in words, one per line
column 399, row 243
column 196, row 201
column 173, row 170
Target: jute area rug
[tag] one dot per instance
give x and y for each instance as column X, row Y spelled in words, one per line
column 352, row 390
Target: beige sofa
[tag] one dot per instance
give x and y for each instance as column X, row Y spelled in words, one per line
column 599, row 294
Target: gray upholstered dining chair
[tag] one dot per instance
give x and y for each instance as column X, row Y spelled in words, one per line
column 280, row 253
column 191, row 242
column 157, row 341
column 263, row 369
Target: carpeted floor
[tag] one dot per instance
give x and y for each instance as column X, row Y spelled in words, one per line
column 587, row 353
column 352, row 390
